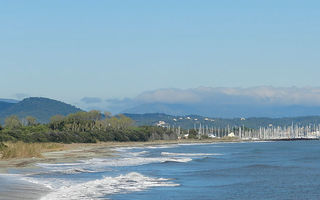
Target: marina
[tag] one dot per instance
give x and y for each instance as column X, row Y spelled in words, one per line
column 293, row 132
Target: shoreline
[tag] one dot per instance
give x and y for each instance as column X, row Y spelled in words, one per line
column 76, row 151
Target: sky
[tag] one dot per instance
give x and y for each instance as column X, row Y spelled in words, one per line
column 90, row 51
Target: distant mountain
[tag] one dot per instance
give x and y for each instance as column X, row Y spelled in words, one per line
column 190, row 121
column 227, row 111
column 40, row 108
column 9, row 100
column 5, row 105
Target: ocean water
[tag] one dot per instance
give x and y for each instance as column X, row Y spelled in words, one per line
column 252, row 170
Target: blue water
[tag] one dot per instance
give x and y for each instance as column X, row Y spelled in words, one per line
column 261, row 170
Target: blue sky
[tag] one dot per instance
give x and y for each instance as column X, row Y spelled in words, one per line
column 68, row 50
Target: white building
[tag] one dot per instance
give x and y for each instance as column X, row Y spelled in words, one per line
column 161, row 123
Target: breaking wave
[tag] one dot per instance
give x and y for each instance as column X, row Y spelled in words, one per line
column 96, row 189
column 76, row 171
column 134, row 161
column 190, row 154
column 100, row 163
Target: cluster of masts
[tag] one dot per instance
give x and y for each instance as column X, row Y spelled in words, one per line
column 263, row 133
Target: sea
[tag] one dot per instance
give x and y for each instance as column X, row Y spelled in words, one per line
column 222, row 171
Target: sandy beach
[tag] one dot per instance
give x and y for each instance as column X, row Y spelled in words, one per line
column 76, row 151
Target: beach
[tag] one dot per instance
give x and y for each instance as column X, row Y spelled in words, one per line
column 170, row 170
column 72, row 152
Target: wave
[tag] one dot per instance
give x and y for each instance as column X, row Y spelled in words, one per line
column 196, row 144
column 58, row 165
column 177, row 160
column 166, row 146
column 190, row 154
column 134, row 161
column 10, row 175
column 162, row 146
column 137, row 153
column 100, row 164
column 75, row 171
column 132, row 182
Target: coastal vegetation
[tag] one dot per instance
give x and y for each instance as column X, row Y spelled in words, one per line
column 81, row 127
column 21, row 138
column 26, row 150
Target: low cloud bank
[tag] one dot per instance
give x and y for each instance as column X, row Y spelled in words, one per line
column 91, row 100
column 223, row 95
column 217, row 100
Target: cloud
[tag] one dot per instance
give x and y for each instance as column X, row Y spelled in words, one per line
column 21, row 96
column 233, row 96
column 91, row 100
column 118, row 105
column 209, row 97
column 169, row 96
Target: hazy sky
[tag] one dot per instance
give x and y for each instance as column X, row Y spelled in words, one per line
column 68, row 50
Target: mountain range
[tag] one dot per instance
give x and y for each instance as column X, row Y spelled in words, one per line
column 227, row 111
column 175, row 115
column 40, row 108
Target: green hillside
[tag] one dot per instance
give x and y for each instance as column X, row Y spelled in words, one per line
column 40, row 108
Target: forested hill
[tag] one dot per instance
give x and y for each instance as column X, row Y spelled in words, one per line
column 5, row 105
column 189, row 121
column 40, row 108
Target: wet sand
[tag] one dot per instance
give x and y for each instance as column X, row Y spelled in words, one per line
column 14, row 189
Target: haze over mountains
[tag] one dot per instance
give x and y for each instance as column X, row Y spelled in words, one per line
column 174, row 114
column 43, row 109
column 227, row 111
column 263, row 101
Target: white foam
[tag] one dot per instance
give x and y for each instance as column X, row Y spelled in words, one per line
column 10, row 175
column 103, row 164
column 180, row 160
column 196, row 144
column 138, row 153
column 165, row 146
column 126, row 148
column 132, row 161
column 100, row 188
column 162, row 146
column 190, row 154
column 58, row 165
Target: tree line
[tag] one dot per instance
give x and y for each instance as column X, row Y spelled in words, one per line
column 81, row 127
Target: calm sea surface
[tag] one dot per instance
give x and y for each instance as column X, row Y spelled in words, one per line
column 254, row 170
